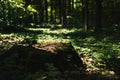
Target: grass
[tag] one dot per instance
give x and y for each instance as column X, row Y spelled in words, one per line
column 95, row 54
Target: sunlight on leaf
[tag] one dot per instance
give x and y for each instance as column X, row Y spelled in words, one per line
column 30, row 8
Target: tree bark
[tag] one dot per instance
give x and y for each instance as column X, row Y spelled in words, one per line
column 60, row 11
column 46, row 11
column 64, row 13
column 98, row 27
column 86, row 15
column 51, row 11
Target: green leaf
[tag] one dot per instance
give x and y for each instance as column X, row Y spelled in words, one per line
column 30, row 8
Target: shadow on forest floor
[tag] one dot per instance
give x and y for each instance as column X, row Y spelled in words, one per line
column 49, row 61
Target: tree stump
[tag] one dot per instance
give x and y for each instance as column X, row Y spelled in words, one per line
column 61, row 56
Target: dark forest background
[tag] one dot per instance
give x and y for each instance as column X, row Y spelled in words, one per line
column 101, row 16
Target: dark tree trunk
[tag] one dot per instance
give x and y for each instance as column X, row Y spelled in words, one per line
column 69, row 5
column 86, row 15
column 51, row 11
column 60, row 11
column 9, row 15
column 64, row 12
column 46, row 11
column 83, row 15
column 98, row 27
column 41, row 14
column 72, row 4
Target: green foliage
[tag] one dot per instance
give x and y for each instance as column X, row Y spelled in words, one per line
column 30, row 8
column 8, row 9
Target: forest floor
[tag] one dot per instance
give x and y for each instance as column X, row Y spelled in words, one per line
column 97, row 56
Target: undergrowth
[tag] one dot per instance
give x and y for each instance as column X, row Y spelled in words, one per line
column 96, row 54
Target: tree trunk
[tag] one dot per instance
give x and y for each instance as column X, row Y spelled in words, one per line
column 46, row 11
column 51, row 11
column 60, row 11
column 69, row 5
column 41, row 14
column 98, row 27
column 64, row 13
column 86, row 15
column 72, row 4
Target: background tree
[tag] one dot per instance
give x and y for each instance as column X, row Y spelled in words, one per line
column 98, row 27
